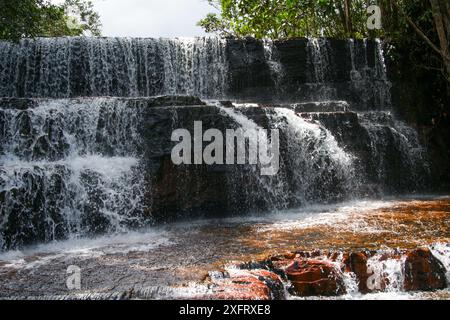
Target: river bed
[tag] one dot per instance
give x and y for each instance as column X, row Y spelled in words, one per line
column 172, row 261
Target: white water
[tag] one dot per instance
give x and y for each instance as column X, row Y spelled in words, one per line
column 276, row 68
column 272, row 189
column 388, row 135
column 442, row 252
column 69, row 168
column 64, row 67
column 319, row 60
column 57, row 129
column 388, row 274
column 157, row 242
column 315, row 157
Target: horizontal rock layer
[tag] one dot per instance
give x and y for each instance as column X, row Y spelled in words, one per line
column 245, row 69
column 116, row 153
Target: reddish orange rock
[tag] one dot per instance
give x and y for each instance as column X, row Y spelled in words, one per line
column 356, row 262
column 248, row 285
column 423, row 271
column 311, row 277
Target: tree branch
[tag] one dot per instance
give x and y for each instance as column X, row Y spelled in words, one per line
column 423, row 35
column 439, row 23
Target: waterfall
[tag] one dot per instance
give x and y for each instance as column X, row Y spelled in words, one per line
column 277, row 72
column 320, row 170
column 301, row 70
column 397, row 157
column 60, row 128
column 313, row 167
column 319, row 60
column 442, row 252
column 370, row 82
column 84, row 149
column 68, row 67
column 268, row 192
column 69, row 169
column 387, row 274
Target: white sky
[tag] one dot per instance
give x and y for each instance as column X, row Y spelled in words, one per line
column 151, row 18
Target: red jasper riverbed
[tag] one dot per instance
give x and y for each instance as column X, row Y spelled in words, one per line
column 209, row 259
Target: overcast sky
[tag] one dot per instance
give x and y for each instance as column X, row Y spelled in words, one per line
column 151, row 18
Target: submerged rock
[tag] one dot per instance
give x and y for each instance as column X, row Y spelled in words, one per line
column 311, row 277
column 322, row 273
column 423, row 271
column 356, row 262
column 246, row 285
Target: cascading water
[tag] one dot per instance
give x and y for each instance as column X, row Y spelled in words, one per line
column 72, row 166
column 211, row 68
column 392, row 138
column 277, row 72
column 68, row 169
column 68, row 67
column 377, row 90
column 387, row 274
column 313, row 168
column 269, row 192
column 442, row 252
column 319, row 169
column 318, row 56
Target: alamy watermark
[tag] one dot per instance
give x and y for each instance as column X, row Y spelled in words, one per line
column 374, row 20
column 73, row 281
column 236, row 146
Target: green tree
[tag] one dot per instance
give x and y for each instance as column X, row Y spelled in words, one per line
column 409, row 24
column 288, row 18
column 432, row 27
column 83, row 17
column 40, row 18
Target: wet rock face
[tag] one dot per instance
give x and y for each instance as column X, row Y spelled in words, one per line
column 356, row 262
column 423, row 272
column 246, row 285
column 314, row 278
column 352, row 154
column 322, row 273
column 180, row 191
column 239, row 69
column 308, row 70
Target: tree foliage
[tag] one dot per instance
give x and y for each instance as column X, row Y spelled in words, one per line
column 40, row 18
column 278, row 19
column 412, row 24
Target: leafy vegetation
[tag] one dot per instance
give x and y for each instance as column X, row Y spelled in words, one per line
column 287, row 19
column 407, row 23
column 40, row 18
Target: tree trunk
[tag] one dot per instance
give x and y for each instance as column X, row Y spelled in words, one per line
column 439, row 18
column 440, row 12
column 348, row 17
column 445, row 6
column 390, row 16
column 342, row 16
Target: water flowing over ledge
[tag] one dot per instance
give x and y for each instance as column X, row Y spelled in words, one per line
column 211, row 68
column 77, row 167
column 86, row 175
